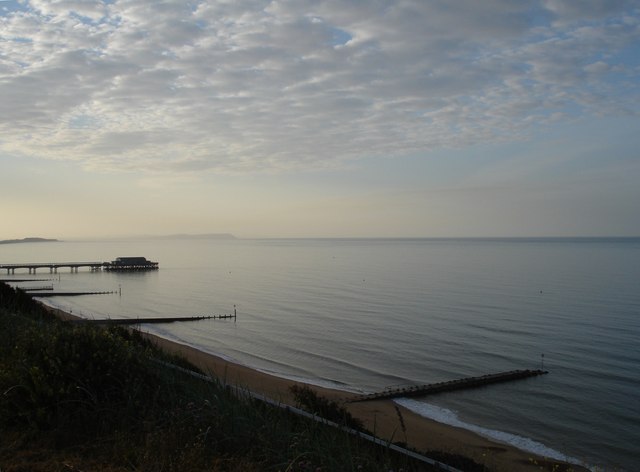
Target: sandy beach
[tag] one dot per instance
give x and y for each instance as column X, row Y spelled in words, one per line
column 380, row 417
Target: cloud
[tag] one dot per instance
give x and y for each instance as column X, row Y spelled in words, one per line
column 570, row 10
column 183, row 87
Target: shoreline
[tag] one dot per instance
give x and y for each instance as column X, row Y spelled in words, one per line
column 384, row 418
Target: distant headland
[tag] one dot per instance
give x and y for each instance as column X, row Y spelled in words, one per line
column 197, row 236
column 176, row 236
column 27, row 240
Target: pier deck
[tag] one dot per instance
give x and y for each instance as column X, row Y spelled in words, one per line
column 52, row 266
column 440, row 387
column 121, row 264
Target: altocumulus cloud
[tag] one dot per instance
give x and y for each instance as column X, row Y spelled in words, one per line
column 264, row 85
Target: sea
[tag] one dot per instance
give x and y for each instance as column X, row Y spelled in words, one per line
column 363, row 315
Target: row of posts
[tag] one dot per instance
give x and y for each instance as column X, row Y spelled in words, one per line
column 52, row 270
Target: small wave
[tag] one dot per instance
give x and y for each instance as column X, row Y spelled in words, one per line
column 307, row 379
column 442, row 415
column 324, row 383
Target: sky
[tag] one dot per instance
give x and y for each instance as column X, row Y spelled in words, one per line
column 427, row 118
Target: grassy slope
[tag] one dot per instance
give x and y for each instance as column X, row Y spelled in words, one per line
column 87, row 398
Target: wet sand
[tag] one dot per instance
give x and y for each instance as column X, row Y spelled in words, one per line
column 382, row 417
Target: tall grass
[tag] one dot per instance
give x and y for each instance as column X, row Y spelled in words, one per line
column 95, row 398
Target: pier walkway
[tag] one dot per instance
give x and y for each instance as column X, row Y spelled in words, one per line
column 52, row 266
column 461, row 384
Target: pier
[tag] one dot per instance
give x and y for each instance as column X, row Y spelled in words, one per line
column 121, row 264
column 452, row 385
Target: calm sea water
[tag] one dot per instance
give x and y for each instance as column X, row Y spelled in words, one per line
column 363, row 315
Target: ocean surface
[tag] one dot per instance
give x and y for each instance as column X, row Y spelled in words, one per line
column 366, row 314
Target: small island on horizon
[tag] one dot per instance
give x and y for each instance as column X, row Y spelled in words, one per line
column 28, row 240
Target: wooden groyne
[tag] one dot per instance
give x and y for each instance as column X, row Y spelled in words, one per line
column 452, row 385
column 66, row 294
column 25, row 280
column 137, row 321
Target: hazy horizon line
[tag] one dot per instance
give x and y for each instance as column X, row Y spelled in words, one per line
column 230, row 237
